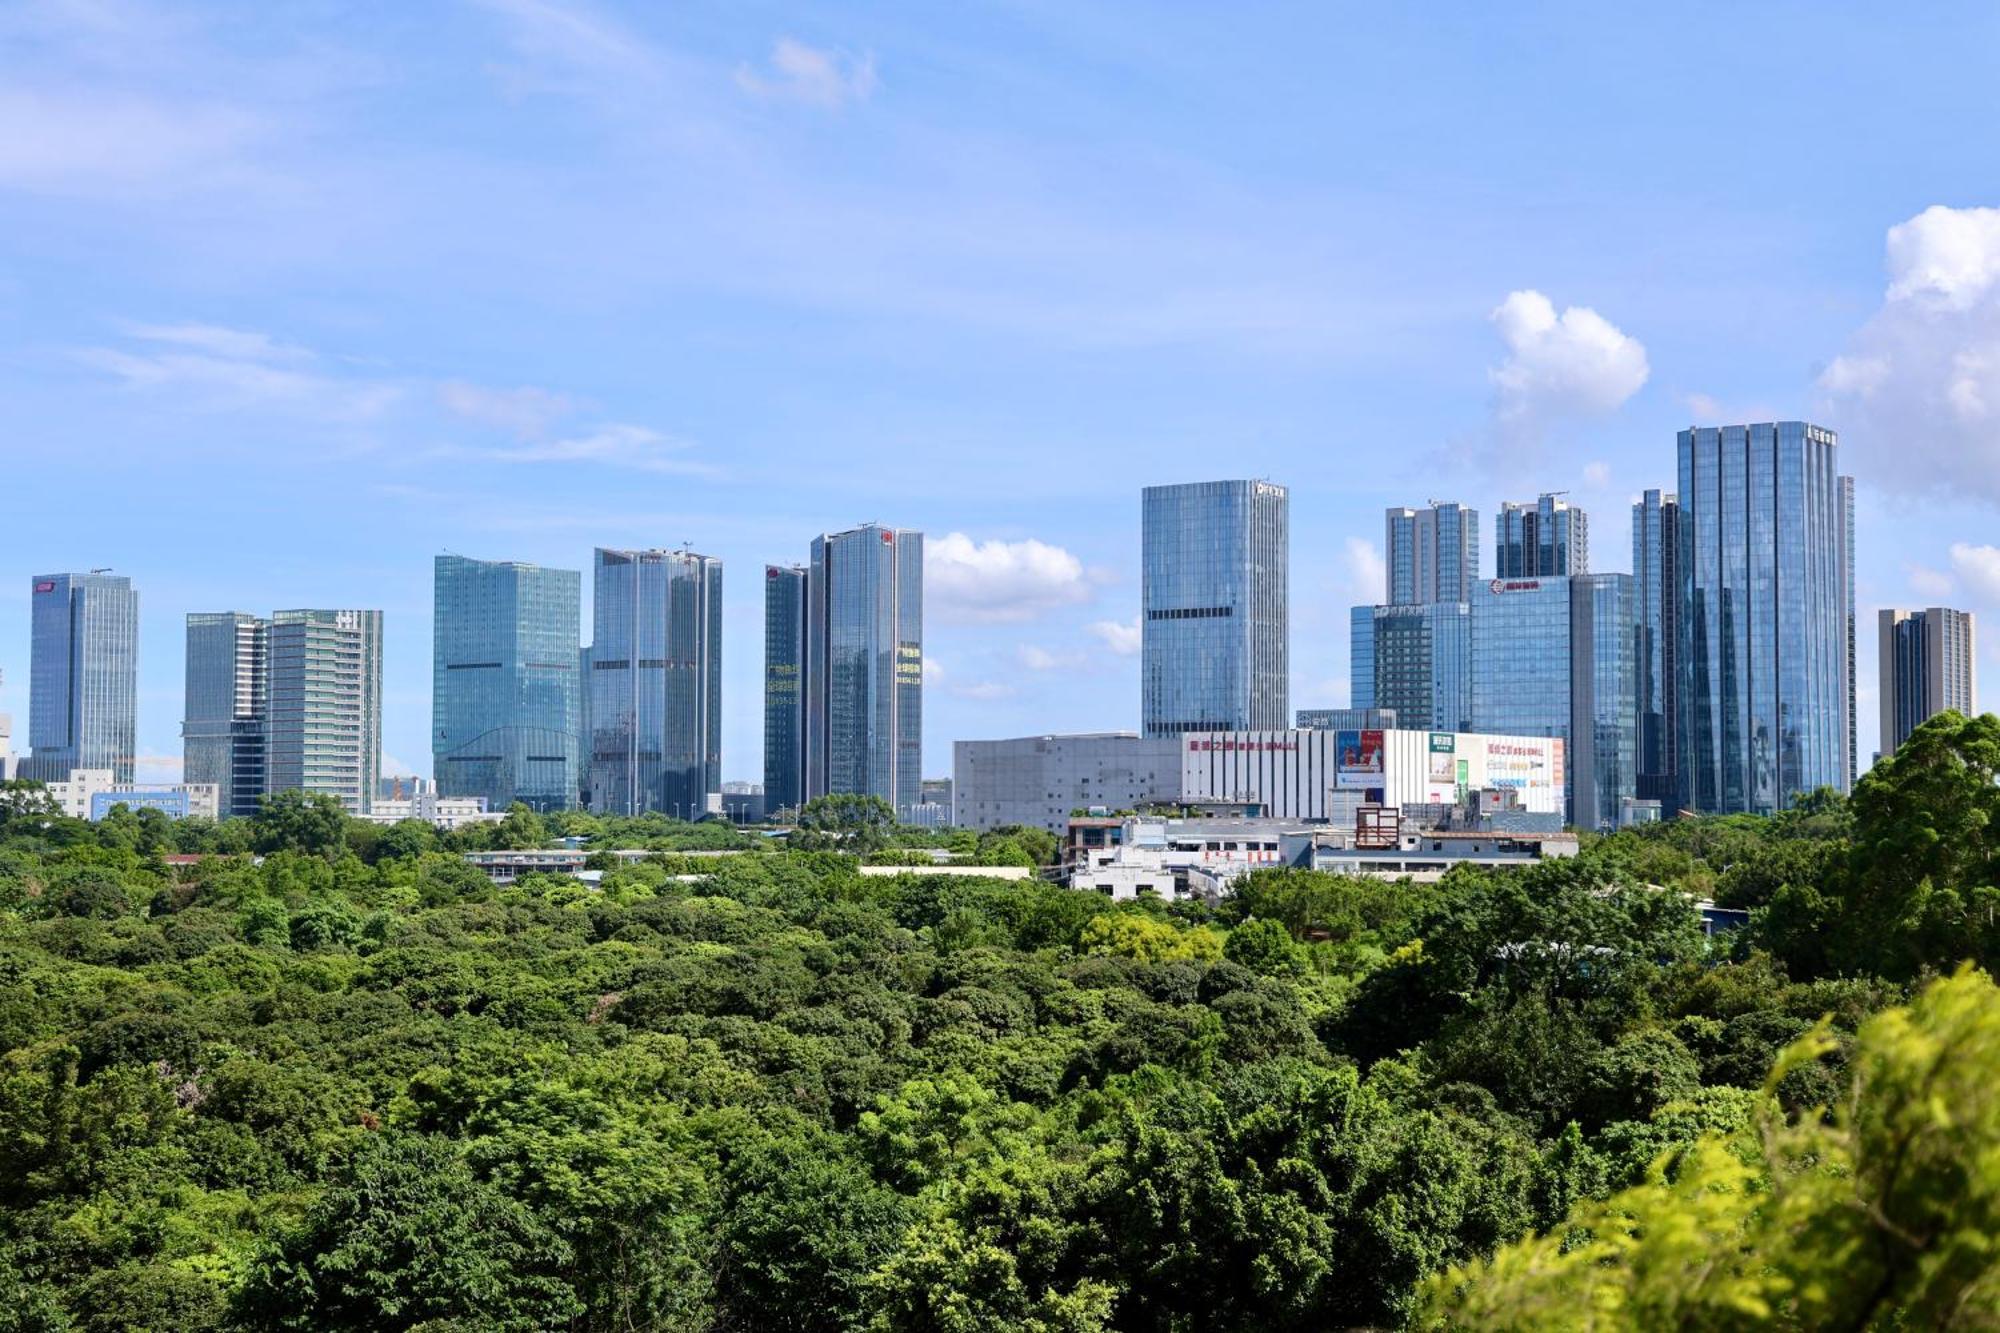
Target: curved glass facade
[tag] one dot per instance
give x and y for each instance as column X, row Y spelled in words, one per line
column 506, row 699
column 1216, row 585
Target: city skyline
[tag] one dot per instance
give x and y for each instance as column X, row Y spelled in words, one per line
column 943, row 272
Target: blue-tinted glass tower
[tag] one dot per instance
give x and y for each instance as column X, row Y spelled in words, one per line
column 655, row 684
column 1430, row 554
column 223, row 731
column 1361, row 657
column 1419, row 662
column 864, row 668
column 1765, row 574
column 1655, row 544
column 1545, row 539
column 785, row 601
column 83, row 676
column 506, row 698
column 1215, row 643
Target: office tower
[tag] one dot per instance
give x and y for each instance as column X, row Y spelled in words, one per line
column 1547, row 539
column 1655, row 529
column 1215, row 643
column 1766, row 587
column 656, row 684
column 83, row 676
column 1431, row 554
column 1361, row 657
column 506, row 696
column 1418, row 662
column 324, row 733
column 784, row 686
column 1554, row 657
column 227, row 710
column 864, row 667
column 1928, row 665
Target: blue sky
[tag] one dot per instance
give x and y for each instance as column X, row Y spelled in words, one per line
column 294, row 296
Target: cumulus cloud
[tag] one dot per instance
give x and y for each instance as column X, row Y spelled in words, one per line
column 801, row 73
column 1979, row 568
column 1122, row 637
column 1576, row 363
column 999, row 581
column 1927, row 582
column 1367, row 572
column 1917, row 387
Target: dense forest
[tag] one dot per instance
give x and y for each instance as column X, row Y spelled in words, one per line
column 331, row 1077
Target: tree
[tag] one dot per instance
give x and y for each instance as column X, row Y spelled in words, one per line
column 520, row 829
column 1878, row 1214
column 1264, row 946
column 846, row 822
column 296, row 821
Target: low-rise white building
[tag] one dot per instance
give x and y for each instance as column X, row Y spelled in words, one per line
column 90, row 793
column 444, row 812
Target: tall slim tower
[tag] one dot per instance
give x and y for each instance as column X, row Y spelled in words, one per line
column 1547, row 539
column 1929, row 663
column 83, row 676
column 1215, row 596
column 228, row 704
column 1766, row 605
column 656, row 684
column 864, row 665
column 325, row 719
column 785, row 686
column 1431, row 554
column 506, row 697
column 1655, row 547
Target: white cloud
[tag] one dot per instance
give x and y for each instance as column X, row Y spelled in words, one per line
column 1367, row 573
column 526, row 412
column 1979, row 568
column 802, row 73
column 614, row 444
column 933, row 672
column 998, row 581
column 222, row 369
column 1123, row 637
column 1597, row 475
column 157, row 768
column 1036, row 659
column 984, row 691
column 1928, row 582
column 92, row 142
column 1917, row 387
column 1576, row 363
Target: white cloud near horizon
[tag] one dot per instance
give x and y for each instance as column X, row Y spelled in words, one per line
column 796, row 72
column 1573, row 363
column 1978, row 567
column 999, row 581
column 1917, row 387
column 1123, row 637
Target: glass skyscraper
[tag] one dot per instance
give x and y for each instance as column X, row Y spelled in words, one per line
column 227, row 707
column 864, row 665
column 1430, row 554
column 1929, row 663
column 1555, row 657
column 1766, row 600
column 1361, row 657
column 1655, row 544
column 1215, row 589
column 784, row 686
column 1417, row 661
column 324, row 732
column 83, row 676
column 1548, row 538
column 506, row 697
column 656, row 684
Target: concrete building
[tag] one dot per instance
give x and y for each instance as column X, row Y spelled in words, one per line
column 83, row 675
column 1431, row 554
column 1326, row 776
column 1548, row 538
column 1038, row 780
column 743, row 803
column 9, row 765
column 506, row 698
column 92, row 793
column 443, row 812
column 655, row 743
column 1214, row 599
column 1929, row 663
column 324, row 730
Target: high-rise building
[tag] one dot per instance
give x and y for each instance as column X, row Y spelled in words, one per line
column 83, row 676
column 506, row 695
column 324, row 733
column 1421, row 666
column 1215, row 588
column 1766, row 588
column 1431, row 554
column 1928, row 664
column 1546, row 539
column 784, row 686
column 1555, row 657
column 227, row 711
column 1655, row 543
column 1361, row 657
column 864, row 665
column 656, row 684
